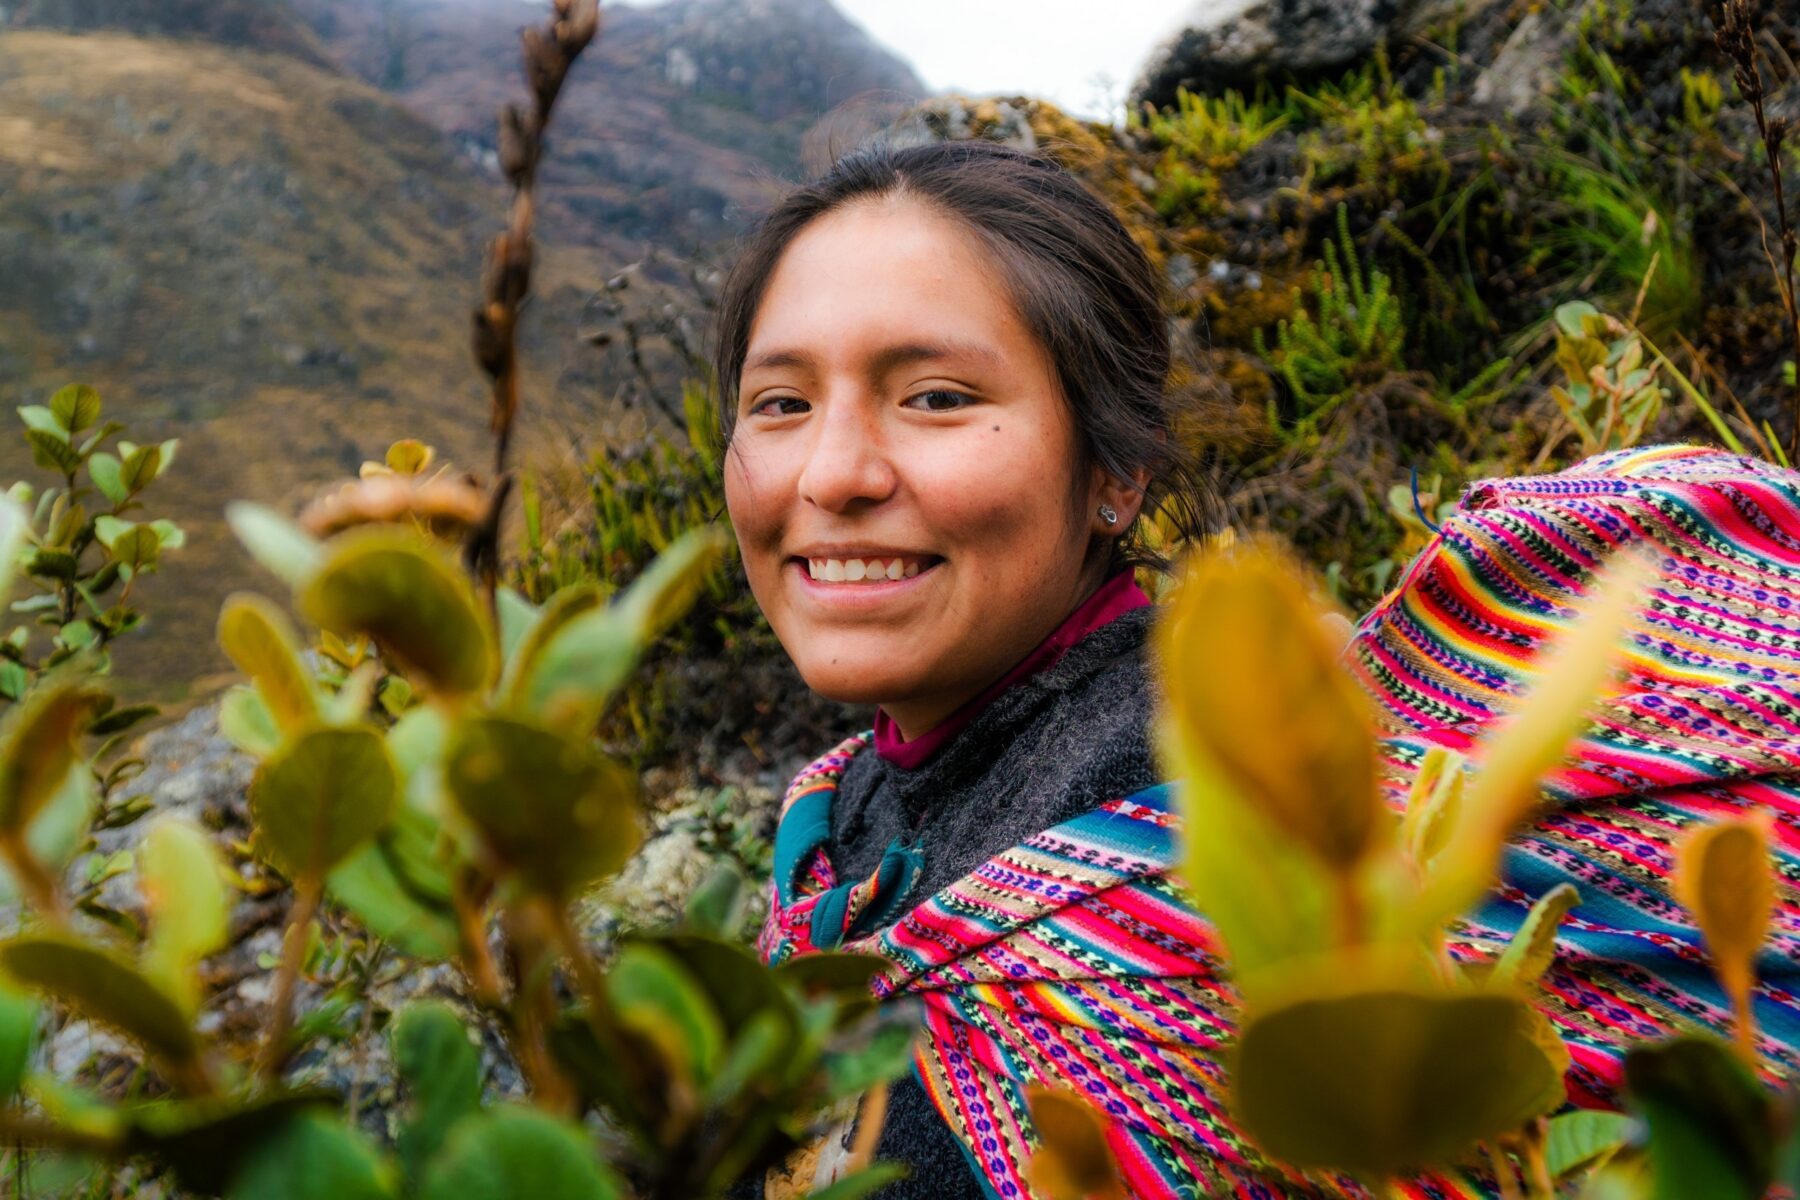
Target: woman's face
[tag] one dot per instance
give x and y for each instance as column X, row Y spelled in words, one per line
column 901, row 476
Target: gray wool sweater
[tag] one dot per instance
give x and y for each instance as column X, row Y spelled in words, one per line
column 1053, row 746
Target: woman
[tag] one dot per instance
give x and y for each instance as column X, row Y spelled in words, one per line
column 943, row 387
column 942, row 372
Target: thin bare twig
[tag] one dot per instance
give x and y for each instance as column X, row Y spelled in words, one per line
column 549, row 53
column 1735, row 33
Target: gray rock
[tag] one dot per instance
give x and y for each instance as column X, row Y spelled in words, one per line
column 1233, row 45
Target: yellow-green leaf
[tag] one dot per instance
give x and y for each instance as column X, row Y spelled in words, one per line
column 38, row 748
column 563, row 607
column 1572, row 675
column 409, row 456
column 75, row 407
column 280, row 545
column 182, row 877
column 411, row 600
column 669, row 586
column 1724, row 875
column 565, row 678
column 1533, row 947
column 651, row 993
column 102, row 987
column 1072, row 1160
column 52, row 451
column 548, row 807
column 256, row 635
column 320, row 797
column 1384, row 1082
column 1254, row 687
column 1433, row 806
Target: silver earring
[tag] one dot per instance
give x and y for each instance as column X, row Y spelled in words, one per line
column 1109, row 514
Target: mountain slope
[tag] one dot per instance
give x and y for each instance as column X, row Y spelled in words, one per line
column 268, row 260
column 680, row 120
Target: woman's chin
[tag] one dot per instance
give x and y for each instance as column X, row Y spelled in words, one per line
column 851, row 682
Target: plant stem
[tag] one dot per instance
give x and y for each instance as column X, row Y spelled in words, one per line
column 477, row 959
column 293, row 954
column 36, row 882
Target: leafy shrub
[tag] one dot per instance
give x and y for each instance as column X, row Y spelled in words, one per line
column 479, row 809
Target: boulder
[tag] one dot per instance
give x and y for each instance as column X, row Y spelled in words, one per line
column 1223, row 44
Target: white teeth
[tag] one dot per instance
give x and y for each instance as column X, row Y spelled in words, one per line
column 859, row 570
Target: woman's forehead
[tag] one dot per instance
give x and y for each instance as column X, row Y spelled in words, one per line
column 896, row 281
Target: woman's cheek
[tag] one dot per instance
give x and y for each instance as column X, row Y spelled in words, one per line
column 752, row 504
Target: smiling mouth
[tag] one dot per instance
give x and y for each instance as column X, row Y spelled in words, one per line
column 883, row 569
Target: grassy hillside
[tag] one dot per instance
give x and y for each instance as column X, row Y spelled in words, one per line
column 267, row 259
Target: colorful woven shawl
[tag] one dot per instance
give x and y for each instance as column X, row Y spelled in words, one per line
column 1072, row 961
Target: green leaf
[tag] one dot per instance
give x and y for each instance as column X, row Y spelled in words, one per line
column 100, row 435
column 669, row 586
column 120, row 719
column 320, row 797
column 38, row 749
column 169, row 535
column 577, row 600
column 547, row 806
column 15, row 525
column 53, row 452
column 1533, row 948
column 205, row 1140
column 38, row 417
column 833, row 973
column 103, row 988
column 654, row 995
column 281, row 546
column 582, row 662
column 18, row 1032
column 1576, row 1139
column 865, row 1182
column 372, row 885
column 103, row 468
column 414, row 603
column 517, row 617
column 75, row 407
column 510, row 1152
column 256, row 635
column 717, row 907
column 138, row 548
column 442, row 1072
column 1383, row 1082
column 141, row 466
column 49, row 562
column 14, row 679
column 313, row 1157
column 182, row 878
column 1712, row 1130
column 880, row 1051
column 59, row 830
column 247, row 723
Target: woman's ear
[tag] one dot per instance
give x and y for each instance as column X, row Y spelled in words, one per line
column 1120, row 498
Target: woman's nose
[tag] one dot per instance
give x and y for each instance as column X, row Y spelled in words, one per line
column 847, row 463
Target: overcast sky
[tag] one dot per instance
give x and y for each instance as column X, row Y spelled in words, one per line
column 1081, row 54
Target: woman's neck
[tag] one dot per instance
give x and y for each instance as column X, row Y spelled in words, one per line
column 909, row 735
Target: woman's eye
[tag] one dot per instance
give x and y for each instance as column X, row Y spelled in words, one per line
column 940, row 401
column 781, row 406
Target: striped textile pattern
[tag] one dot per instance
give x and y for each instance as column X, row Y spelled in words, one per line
column 1072, row 960
column 1705, row 726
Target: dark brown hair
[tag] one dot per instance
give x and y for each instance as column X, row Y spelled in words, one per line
column 1078, row 281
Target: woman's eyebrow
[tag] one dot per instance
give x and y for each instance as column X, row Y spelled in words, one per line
column 886, row 359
